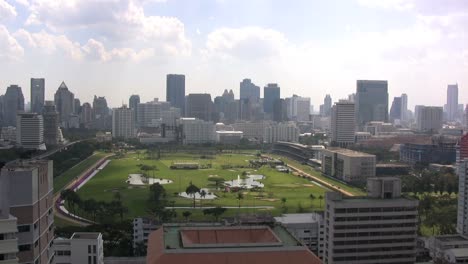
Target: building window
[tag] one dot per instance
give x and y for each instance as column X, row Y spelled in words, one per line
column 24, row 228
column 94, row 260
column 89, row 249
column 24, row 247
column 89, row 260
column 94, row 249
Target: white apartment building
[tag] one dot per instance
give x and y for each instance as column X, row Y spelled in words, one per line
column 298, row 108
column 197, row 131
column 30, row 131
column 343, row 124
column 123, row 123
column 430, row 119
column 348, row 165
column 287, row 132
column 149, row 114
column 81, row 248
column 251, row 130
column 379, row 228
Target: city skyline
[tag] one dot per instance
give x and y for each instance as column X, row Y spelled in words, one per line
column 409, row 44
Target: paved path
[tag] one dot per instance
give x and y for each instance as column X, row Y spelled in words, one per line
column 65, row 215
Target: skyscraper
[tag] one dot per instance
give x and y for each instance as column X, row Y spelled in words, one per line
column 87, row 115
column 13, row 102
column 123, row 123
column 51, row 124
column 271, row 93
column 327, row 105
column 102, row 119
column 199, row 106
column 404, row 107
column 343, row 124
column 249, row 90
column 371, row 101
column 30, row 131
column 395, row 110
column 64, row 103
column 429, row 119
column 77, row 106
column 37, row 94
column 452, row 102
column 133, row 102
column 175, row 90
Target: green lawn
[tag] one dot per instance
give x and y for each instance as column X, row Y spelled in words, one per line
column 62, row 180
column 296, row 190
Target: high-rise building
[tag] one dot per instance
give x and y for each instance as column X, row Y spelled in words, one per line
column 1, row 109
column 379, row 228
column 37, row 94
column 404, row 107
column 175, row 90
column 123, row 123
column 325, row 109
column 271, row 93
column 51, row 124
column 298, row 108
column 13, row 102
column 149, row 114
column 31, row 203
column 452, row 102
column 199, row 106
column 462, row 151
column 77, row 106
column 133, row 102
column 86, row 116
column 395, row 110
column 462, row 171
column 286, row 131
column 280, row 110
column 64, row 103
column 8, row 226
column 196, row 131
column 371, row 101
column 343, row 124
column 430, row 119
column 30, row 131
column 102, row 119
column 249, row 91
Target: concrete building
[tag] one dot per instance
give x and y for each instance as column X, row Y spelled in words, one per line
column 102, row 119
column 271, row 93
column 199, row 106
column 13, row 103
column 31, row 203
column 8, row 133
column 251, row 130
column 64, row 103
column 229, row 137
column 430, row 119
column 81, row 248
column 440, row 247
column 123, row 123
column 280, row 111
column 452, row 102
column 196, row 131
column 142, row 228
column 133, row 102
column 342, row 124
column 150, row 114
column 395, row 110
column 37, row 94
column 404, row 107
column 379, row 228
column 287, row 132
column 307, row 228
column 298, row 108
column 175, row 244
column 428, row 153
column 371, row 101
column 325, row 109
column 249, row 91
column 51, row 124
column 348, row 165
column 462, row 212
column 175, row 90
column 8, row 229
column 86, row 116
column 30, row 131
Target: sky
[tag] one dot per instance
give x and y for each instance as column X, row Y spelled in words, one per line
column 115, row 48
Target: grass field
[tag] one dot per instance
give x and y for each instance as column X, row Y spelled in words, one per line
column 63, row 179
column 278, row 185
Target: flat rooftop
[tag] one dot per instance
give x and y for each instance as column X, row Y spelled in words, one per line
column 85, row 235
column 350, row 153
column 299, row 218
column 451, row 238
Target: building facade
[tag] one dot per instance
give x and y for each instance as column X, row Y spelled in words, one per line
column 371, row 101
column 249, row 91
column 123, row 123
column 81, row 248
column 343, row 124
column 430, row 119
column 64, row 104
column 452, row 102
column 348, row 165
column 13, row 102
column 271, row 93
column 287, row 132
column 8, row 226
column 30, row 131
column 175, row 90
column 37, row 94
column 199, row 106
column 51, row 124
column 196, row 131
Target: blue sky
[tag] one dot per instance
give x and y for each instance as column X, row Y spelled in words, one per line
column 119, row 47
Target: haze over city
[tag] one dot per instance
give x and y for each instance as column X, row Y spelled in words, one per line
column 311, row 48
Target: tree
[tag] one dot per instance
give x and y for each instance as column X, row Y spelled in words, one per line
column 202, row 196
column 283, row 202
column 192, row 190
column 216, row 212
column 312, row 198
column 72, row 199
column 186, row 215
column 239, row 197
column 321, row 199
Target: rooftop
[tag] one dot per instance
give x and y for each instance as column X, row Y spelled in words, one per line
column 299, row 218
column 451, row 238
column 79, row 235
column 348, row 152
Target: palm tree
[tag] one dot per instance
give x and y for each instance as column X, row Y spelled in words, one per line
column 312, row 198
column 192, row 190
column 320, row 198
column 202, row 196
column 186, row 215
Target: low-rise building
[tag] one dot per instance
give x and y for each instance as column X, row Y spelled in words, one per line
column 103, row 136
column 251, row 130
column 281, row 132
column 229, row 137
column 348, row 165
column 79, row 249
column 427, row 153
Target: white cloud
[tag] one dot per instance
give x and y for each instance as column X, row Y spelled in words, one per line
column 245, row 43
column 7, row 11
column 394, row 4
column 113, row 20
column 95, row 50
column 10, row 49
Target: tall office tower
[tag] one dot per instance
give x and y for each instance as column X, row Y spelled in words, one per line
column 379, row 228
column 13, row 102
column 175, row 90
column 222, row 107
column 462, row 214
column 31, row 202
column 102, row 119
column 76, row 106
column 271, row 93
column 343, row 124
column 123, row 123
column 371, row 101
column 395, row 110
column 199, row 106
column 298, row 108
column 133, row 102
column 86, row 116
column 404, row 107
column 249, row 90
column 51, row 124
column 452, row 102
column 8, row 226
column 280, row 110
column 327, row 105
column 64, row 103
column 430, row 119
column 37, row 94
column 30, row 131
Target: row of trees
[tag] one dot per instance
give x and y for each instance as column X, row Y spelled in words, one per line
column 425, row 181
column 438, row 213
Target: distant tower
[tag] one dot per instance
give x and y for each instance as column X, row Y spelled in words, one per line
column 343, row 124
column 371, row 101
column 51, row 124
column 133, row 103
column 64, row 103
column 327, row 105
column 271, row 93
column 30, row 131
column 13, row 102
column 452, row 102
column 123, row 123
column 175, row 90
column 249, row 91
column 404, row 107
column 37, row 94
